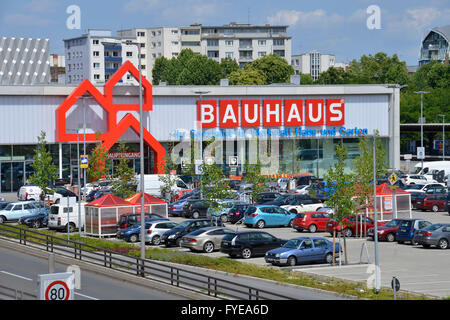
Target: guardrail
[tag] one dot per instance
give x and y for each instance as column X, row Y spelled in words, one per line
column 155, row 270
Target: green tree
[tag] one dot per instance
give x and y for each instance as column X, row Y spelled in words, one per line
column 169, row 180
column 274, row 68
column 254, row 177
column 44, row 169
column 333, row 76
column 340, row 192
column 97, row 167
column 228, row 65
column 124, row 183
column 247, row 77
column 160, row 70
column 306, row 78
column 200, row 70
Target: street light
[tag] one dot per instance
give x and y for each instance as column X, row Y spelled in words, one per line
column 141, row 148
column 79, row 184
column 200, row 93
column 82, row 98
column 421, row 120
column 443, row 135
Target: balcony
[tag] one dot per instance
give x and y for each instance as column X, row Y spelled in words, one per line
column 113, row 59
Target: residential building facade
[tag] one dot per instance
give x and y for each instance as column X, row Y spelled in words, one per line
column 435, row 45
column 314, row 63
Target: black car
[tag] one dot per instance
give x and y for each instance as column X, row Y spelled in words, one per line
column 236, row 213
column 195, row 208
column 64, row 193
column 35, row 221
column 173, row 236
column 127, row 220
column 247, row 244
column 447, row 204
column 263, row 197
column 284, row 199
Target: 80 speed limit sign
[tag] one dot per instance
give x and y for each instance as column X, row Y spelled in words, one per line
column 56, row 286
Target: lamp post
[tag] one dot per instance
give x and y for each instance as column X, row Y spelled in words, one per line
column 141, row 149
column 375, row 233
column 421, row 119
column 79, row 184
column 443, row 135
column 82, row 98
column 200, row 93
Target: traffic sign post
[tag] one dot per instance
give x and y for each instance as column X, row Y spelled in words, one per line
column 395, row 285
column 233, row 161
column 56, row 286
column 393, row 180
column 84, row 161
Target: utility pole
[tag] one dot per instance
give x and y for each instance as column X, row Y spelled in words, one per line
column 421, row 119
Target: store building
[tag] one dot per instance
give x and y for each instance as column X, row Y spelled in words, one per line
column 300, row 125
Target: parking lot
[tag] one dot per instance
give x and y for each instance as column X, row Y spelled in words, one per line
column 418, row 269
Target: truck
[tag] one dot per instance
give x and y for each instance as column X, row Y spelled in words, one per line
column 65, row 214
column 434, row 170
column 153, row 183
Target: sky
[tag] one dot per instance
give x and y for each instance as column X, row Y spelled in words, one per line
column 328, row 26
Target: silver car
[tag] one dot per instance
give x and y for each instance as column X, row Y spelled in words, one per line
column 205, row 239
column 155, row 230
column 435, row 235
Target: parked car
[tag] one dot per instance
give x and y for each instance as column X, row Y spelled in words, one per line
column 448, row 203
column 29, row 192
column 408, row 228
column 312, row 221
column 222, row 212
column 155, row 230
column 236, row 213
column 352, row 225
column 408, row 179
column 173, row 236
column 127, row 220
column 16, row 210
column 131, row 234
column 434, row 235
column 261, row 216
column 35, row 221
column 303, row 189
column 247, row 244
column 430, row 188
column 263, row 197
column 301, row 204
column 176, row 209
column 3, row 204
column 205, row 239
column 281, row 200
column 195, row 208
column 435, row 202
column 303, row 250
column 386, row 232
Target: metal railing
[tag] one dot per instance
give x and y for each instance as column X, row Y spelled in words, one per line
column 158, row 271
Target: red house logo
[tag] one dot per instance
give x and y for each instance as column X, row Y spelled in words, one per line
column 114, row 129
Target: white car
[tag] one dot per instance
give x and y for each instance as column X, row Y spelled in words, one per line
column 304, row 189
column 33, row 192
column 299, row 204
column 426, row 188
column 408, row 179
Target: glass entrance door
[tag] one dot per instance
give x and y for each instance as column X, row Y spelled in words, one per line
column 12, row 176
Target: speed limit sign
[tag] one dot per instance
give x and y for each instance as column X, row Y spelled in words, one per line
column 56, row 286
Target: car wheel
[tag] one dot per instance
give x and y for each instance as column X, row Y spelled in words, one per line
column 291, row 261
column 348, row 232
column 208, row 247
column 223, row 218
column 178, row 242
column 156, row 240
column 36, row 224
column 71, row 227
column 246, row 253
column 2, row 219
column 329, row 258
column 260, row 224
column 443, row 244
column 290, row 224
column 390, row 237
column 195, row 215
column 435, row 208
column 134, row 238
column 312, row 228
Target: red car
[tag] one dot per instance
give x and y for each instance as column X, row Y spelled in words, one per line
column 350, row 224
column 386, row 232
column 312, row 221
column 434, row 202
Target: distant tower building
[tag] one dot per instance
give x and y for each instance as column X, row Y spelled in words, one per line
column 24, row 61
column 435, row 45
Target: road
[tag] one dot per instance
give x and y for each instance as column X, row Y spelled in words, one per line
column 93, row 285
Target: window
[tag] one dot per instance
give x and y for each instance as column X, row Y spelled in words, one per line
column 96, row 76
column 229, row 54
column 261, row 42
column 96, row 65
column 174, row 31
column 278, row 42
column 95, row 42
column 142, row 56
column 141, row 34
column 261, row 54
column 267, row 237
column 307, row 244
column 320, row 243
column 96, row 53
column 143, row 67
column 174, row 43
column 129, row 54
column 254, row 236
column 17, row 207
column 228, row 42
column 115, row 54
column 212, row 43
column 142, row 45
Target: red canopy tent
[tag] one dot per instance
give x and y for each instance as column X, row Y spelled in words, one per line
column 152, row 204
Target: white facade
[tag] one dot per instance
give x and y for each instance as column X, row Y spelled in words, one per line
column 314, row 63
column 96, row 56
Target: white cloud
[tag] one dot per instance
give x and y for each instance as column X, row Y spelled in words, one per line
column 25, row 20
column 41, row 6
column 317, row 18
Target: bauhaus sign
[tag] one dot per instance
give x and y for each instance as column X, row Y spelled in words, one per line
column 273, row 113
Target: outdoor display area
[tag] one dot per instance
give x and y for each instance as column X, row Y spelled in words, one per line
column 103, row 213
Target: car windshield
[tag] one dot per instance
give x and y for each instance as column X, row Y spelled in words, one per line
column 433, row 227
column 415, row 186
column 183, row 225
column 9, row 207
column 393, row 223
column 292, row 244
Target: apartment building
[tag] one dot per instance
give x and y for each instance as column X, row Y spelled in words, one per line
column 244, row 42
column 97, row 55
column 435, row 45
column 314, row 63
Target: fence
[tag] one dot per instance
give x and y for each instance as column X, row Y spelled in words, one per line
column 159, row 271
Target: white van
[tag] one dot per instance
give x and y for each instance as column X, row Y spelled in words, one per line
column 432, row 167
column 57, row 216
column 152, row 184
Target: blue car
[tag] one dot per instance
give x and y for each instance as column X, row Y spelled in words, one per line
column 261, row 216
column 176, row 208
column 408, row 228
column 131, row 234
column 222, row 212
column 303, row 250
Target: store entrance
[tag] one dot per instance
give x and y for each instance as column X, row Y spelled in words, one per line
column 13, row 175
